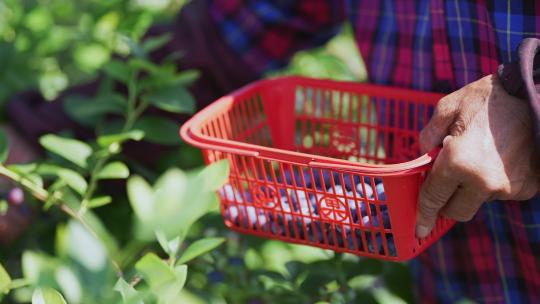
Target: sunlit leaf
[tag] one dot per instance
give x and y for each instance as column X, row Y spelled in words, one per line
column 73, row 180
column 180, row 272
column 141, row 198
column 114, row 170
column 99, row 201
column 23, row 169
column 47, row 295
column 215, row 175
column 5, row 280
column 85, row 247
column 38, row 268
column 164, row 281
column 169, row 246
column 38, row 19
column 129, row 294
column 27, row 171
column 172, row 205
column 69, row 284
column 90, row 57
column 106, row 140
column 200, row 247
column 154, row 270
column 71, row 149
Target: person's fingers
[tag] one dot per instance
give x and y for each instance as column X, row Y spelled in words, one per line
column 437, row 128
column 464, row 204
column 528, row 191
column 435, row 192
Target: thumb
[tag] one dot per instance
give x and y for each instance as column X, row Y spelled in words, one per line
column 436, row 191
column 436, row 130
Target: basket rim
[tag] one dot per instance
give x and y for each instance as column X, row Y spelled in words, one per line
column 190, row 131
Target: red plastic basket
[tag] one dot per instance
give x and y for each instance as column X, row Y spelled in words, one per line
column 304, row 154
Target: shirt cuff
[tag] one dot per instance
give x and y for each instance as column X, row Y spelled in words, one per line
column 522, row 79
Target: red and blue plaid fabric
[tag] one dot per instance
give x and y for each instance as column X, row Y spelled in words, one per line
column 432, row 45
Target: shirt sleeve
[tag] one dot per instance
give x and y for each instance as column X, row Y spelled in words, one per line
column 522, row 79
column 266, row 34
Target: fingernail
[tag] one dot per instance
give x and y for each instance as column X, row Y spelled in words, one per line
column 422, row 231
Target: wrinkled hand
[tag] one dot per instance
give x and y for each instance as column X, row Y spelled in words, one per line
column 488, row 153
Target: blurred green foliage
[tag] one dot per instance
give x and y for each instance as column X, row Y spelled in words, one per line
column 53, row 44
column 161, row 240
column 338, row 59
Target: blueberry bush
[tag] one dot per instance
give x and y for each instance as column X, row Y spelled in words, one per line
column 108, row 229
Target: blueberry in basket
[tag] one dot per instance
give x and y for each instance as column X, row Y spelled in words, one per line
column 296, row 214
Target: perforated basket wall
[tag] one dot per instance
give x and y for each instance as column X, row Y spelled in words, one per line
column 329, row 164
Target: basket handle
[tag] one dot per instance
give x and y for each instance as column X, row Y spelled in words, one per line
column 433, row 154
column 426, row 160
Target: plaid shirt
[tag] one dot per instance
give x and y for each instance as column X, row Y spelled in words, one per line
column 432, row 45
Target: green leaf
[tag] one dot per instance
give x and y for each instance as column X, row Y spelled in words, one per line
column 28, row 171
column 35, row 266
column 90, row 110
column 397, row 279
column 215, row 175
column 118, row 70
column 200, row 247
column 144, row 65
column 168, row 79
column 159, row 130
column 74, row 180
column 69, row 283
column 170, row 201
column 154, row 43
column 169, row 246
column 4, row 146
column 175, row 99
column 5, row 280
column 315, row 281
column 129, row 294
column 31, row 265
column 73, row 150
column 154, row 270
column 174, row 203
column 59, row 186
column 89, row 57
column 180, row 272
column 4, row 207
column 114, row 170
column 70, row 177
column 141, row 198
column 23, row 169
column 186, row 77
column 165, row 282
column 47, row 295
column 107, row 140
column 99, row 201
column 85, row 248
